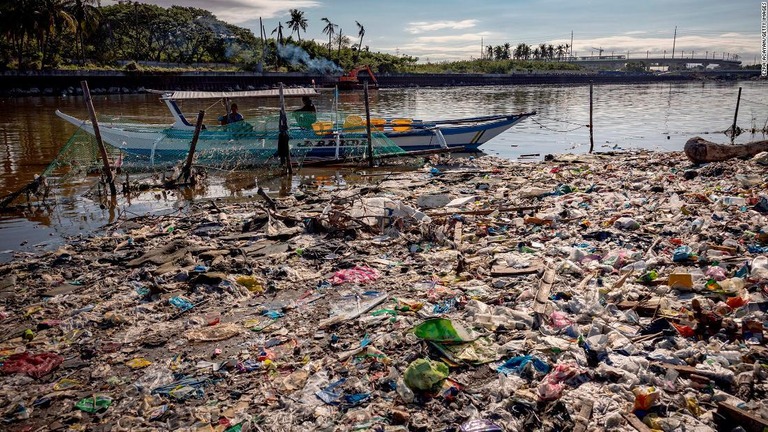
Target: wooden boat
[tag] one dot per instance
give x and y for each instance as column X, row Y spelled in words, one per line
column 256, row 139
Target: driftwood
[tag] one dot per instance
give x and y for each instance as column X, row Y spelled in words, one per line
column 700, row 150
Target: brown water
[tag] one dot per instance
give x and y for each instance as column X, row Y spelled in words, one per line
column 651, row 116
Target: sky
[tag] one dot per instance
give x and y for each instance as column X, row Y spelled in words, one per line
column 448, row 30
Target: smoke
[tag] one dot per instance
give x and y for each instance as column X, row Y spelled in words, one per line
column 297, row 56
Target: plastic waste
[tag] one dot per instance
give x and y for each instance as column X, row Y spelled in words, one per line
column 425, row 374
column 357, row 274
column 443, row 330
column 645, row 397
column 94, row 404
column 181, row 303
column 480, row 425
column 34, row 365
column 518, row 364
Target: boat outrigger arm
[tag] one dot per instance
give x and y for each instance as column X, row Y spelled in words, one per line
column 181, row 122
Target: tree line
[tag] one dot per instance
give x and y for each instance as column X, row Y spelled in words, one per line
column 523, row 51
column 51, row 34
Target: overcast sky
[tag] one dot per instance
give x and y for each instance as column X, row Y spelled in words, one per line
column 437, row 30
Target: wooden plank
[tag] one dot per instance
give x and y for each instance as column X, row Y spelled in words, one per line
column 635, row 422
column 499, row 271
column 646, row 308
column 585, row 413
column 735, row 416
column 724, row 379
column 457, row 231
column 545, row 287
column 485, row 211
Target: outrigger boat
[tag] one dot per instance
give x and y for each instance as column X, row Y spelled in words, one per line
column 256, row 139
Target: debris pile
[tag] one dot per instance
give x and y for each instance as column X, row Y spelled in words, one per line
column 606, row 292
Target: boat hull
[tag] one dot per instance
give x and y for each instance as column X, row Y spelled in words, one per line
column 162, row 144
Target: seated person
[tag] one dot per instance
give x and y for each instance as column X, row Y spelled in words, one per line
column 233, row 116
column 307, row 114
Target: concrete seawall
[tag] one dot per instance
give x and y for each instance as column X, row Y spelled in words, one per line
column 102, row 82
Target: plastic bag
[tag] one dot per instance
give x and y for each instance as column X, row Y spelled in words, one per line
column 36, row 366
column 425, row 374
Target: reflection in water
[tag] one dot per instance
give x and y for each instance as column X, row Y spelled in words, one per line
column 652, row 116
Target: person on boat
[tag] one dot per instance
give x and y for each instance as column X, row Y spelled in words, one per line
column 307, row 114
column 233, row 116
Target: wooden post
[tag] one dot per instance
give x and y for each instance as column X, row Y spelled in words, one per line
column 187, row 169
column 735, row 116
column 368, row 124
column 97, row 134
column 283, row 139
column 591, row 129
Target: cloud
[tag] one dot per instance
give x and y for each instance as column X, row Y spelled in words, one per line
column 424, row 26
column 240, row 11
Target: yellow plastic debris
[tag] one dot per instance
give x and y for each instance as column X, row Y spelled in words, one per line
column 138, row 363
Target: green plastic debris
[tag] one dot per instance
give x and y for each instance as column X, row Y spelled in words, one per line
column 94, row 404
column 443, row 330
column 425, row 374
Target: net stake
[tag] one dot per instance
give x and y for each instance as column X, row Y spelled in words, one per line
column 187, row 169
column 96, row 133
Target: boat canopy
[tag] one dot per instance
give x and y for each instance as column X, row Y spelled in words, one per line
column 182, row 95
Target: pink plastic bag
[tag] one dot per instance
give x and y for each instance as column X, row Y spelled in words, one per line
column 355, row 274
column 36, row 366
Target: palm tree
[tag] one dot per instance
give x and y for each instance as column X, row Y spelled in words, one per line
column 489, row 52
column 297, row 22
column 498, row 52
column 560, row 50
column 507, row 51
column 330, row 30
column 279, row 31
column 87, row 18
column 50, row 19
column 361, row 33
column 550, row 51
column 542, row 51
column 520, row 51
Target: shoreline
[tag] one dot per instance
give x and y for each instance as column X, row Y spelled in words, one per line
column 581, row 278
column 57, row 83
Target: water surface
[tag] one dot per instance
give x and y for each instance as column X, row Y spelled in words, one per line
column 626, row 116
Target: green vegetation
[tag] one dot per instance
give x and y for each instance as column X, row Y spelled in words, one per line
column 133, row 36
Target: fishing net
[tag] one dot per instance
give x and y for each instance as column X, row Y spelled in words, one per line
column 151, row 149
column 245, row 144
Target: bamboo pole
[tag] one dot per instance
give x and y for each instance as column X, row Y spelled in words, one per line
column 591, row 129
column 368, row 124
column 283, row 139
column 735, row 116
column 97, row 134
column 187, row 169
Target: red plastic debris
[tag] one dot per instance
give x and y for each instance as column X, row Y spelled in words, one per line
column 36, row 366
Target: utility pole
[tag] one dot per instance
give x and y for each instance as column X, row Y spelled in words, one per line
column 482, row 51
column 571, row 56
column 674, row 39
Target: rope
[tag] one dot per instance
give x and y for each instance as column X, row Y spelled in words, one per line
column 754, row 102
column 558, row 131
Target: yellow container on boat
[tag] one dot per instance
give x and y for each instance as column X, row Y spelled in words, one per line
column 401, row 124
column 378, row 124
column 322, row 127
column 354, row 122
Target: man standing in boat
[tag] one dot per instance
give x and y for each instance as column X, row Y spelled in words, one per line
column 233, row 116
column 307, row 114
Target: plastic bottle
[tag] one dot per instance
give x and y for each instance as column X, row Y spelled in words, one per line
column 635, row 266
column 731, row 200
column 406, row 394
